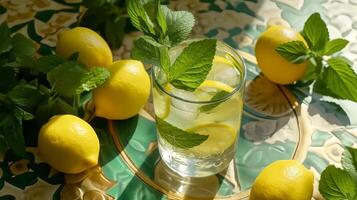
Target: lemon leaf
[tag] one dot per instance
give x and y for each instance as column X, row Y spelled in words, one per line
column 338, row 80
column 334, row 46
column 193, row 64
column 315, row 32
column 178, row 137
column 349, row 162
column 294, row 51
column 337, row 184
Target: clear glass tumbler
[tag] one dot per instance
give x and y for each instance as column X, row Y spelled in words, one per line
column 213, row 111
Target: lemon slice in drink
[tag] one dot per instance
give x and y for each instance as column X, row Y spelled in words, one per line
column 162, row 102
column 216, row 85
column 220, row 138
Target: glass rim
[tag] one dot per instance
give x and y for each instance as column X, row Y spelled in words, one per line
column 237, row 88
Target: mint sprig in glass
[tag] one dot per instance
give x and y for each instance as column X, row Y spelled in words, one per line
column 197, row 89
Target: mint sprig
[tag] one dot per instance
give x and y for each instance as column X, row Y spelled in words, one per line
column 192, row 66
column 164, row 29
column 178, row 137
column 33, row 89
column 332, row 76
column 338, row 183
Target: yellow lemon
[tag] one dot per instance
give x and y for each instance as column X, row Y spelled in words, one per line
column 275, row 67
column 92, row 48
column 125, row 93
column 283, row 180
column 69, row 144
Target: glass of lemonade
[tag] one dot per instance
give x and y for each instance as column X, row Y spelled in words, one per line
column 213, row 110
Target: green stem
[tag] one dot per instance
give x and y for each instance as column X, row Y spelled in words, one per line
column 76, row 102
column 319, row 65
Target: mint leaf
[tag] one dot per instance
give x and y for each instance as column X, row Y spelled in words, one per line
column 147, row 50
column 310, row 73
column 74, row 57
column 161, row 19
column 25, row 95
column 294, row 51
column 22, row 114
column 67, row 78
column 315, row 32
column 11, row 128
column 5, row 44
column 46, row 63
column 334, row 46
column 94, row 78
column 139, row 18
column 23, row 46
column 193, row 64
column 218, row 95
column 349, row 162
column 338, row 80
column 177, row 137
column 7, row 78
column 336, row 184
column 165, row 62
column 179, row 24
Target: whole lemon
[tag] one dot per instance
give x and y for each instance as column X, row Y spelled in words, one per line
column 125, row 93
column 275, row 67
column 92, row 48
column 69, row 144
column 283, row 180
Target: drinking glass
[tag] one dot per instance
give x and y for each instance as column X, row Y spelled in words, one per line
column 214, row 110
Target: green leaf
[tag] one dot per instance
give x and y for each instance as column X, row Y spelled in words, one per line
column 161, row 19
column 315, row 32
column 25, row 95
column 114, row 31
column 165, row 62
column 193, row 65
column 179, row 24
column 22, row 114
column 310, row 73
column 5, row 44
column 337, row 184
column 334, row 46
column 23, row 46
column 46, row 63
column 147, row 50
column 67, row 78
column 74, row 57
column 217, row 96
column 349, row 162
column 94, row 78
column 11, row 128
column 294, row 51
column 177, row 137
column 139, row 18
column 338, row 80
column 7, row 78
column 92, row 4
